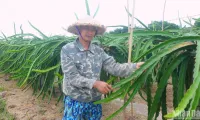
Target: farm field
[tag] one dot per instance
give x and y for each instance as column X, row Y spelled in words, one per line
column 24, row 106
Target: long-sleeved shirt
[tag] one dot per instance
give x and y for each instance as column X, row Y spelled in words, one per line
column 82, row 68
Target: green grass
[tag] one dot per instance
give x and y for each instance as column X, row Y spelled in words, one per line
column 4, row 115
column 1, row 88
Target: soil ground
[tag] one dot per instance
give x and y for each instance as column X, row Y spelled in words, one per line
column 24, row 106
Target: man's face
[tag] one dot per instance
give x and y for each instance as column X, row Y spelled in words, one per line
column 88, row 32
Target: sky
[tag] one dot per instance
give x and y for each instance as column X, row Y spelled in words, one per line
column 51, row 16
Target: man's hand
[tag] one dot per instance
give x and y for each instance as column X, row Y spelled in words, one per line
column 102, row 87
column 139, row 64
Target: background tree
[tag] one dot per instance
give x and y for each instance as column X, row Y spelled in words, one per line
column 157, row 25
column 197, row 22
column 124, row 29
column 120, row 30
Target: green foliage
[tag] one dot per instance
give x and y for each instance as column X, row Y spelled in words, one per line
column 88, row 10
column 87, row 7
column 197, row 22
column 4, row 115
column 168, row 50
column 1, row 88
column 120, row 30
column 157, row 25
column 34, row 60
column 2, row 104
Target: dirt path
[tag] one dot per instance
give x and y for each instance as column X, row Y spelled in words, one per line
column 24, row 106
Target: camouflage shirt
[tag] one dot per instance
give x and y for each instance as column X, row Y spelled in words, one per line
column 82, row 68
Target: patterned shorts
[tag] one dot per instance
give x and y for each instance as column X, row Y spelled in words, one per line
column 75, row 110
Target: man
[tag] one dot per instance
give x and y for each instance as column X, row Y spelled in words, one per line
column 81, row 63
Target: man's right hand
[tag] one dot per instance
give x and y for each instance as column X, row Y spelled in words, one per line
column 102, row 87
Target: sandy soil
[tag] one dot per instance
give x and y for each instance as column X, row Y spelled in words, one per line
column 24, row 106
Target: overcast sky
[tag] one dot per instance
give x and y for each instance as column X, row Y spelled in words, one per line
column 50, row 16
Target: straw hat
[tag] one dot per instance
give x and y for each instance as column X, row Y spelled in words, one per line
column 87, row 21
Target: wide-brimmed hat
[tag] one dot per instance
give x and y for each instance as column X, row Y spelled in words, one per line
column 87, row 21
